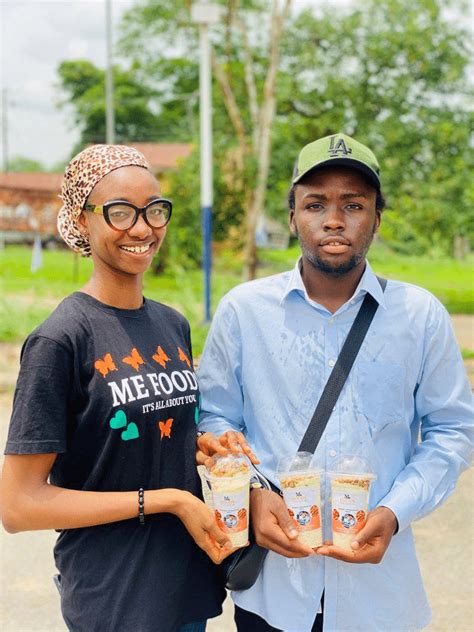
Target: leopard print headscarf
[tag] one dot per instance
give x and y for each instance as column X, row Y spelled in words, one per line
column 81, row 175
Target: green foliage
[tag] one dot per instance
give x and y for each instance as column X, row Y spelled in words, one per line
column 183, row 240
column 183, row 245
column 392, row 73
column 21, row 164
column 27, row 299
column 18, row 319
column 84, row 88
column 171, row 63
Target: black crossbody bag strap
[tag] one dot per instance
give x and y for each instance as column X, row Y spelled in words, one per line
column 340, row 372
column 243, row 567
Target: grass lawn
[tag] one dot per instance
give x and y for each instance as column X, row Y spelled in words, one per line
column 26, row 299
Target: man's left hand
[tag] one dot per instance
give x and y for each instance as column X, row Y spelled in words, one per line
column 231, row 442
column 370, row 544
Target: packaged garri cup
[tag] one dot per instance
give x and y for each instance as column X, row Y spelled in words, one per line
column 350, row 486
column 301, row 487
column 229, row 479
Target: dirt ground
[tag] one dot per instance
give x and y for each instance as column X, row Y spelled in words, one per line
column 29, row 601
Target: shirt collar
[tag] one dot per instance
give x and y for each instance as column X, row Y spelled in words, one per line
column 368, row 283
column 295, row 282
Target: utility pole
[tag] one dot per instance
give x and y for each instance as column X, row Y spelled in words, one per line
column 109, row 80
column 203, row 14
column 5, row 129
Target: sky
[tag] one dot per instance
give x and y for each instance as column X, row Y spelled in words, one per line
column 35, row 36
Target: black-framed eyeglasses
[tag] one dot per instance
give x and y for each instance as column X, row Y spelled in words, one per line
column 122, row 215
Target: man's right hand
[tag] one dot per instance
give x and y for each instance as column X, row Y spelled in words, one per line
column 272, row 525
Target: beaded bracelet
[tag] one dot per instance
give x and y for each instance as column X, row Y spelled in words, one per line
column 141, row 505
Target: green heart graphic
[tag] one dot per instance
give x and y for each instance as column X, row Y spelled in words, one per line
column 119, row 420
column 131, row 432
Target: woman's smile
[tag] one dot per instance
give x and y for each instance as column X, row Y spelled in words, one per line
column 138, row 249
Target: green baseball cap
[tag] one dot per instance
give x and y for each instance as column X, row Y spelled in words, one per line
column 338, row 150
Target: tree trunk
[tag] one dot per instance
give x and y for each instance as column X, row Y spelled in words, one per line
column 255, row 209
column 250, row 249
column 259, row 144
column 262, row 151
column 460, row 247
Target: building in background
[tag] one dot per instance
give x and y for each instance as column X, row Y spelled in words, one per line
column 29, row 202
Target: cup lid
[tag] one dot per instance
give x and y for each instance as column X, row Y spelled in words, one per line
column 352, row 466
column 299, row 462
column 229, row 465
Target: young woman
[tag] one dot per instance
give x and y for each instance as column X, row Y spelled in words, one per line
column 102, row 439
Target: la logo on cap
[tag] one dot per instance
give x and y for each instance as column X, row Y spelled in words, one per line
column 339, row 147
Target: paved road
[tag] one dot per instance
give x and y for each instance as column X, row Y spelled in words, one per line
column 464, row 329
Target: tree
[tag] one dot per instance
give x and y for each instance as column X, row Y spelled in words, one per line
column 21, row 164
column 261, row 116
column 83, row 85
column 393, row 74
column 245, row 62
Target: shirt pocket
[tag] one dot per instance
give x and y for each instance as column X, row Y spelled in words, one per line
column 380, row 392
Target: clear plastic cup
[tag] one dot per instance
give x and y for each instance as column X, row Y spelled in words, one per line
column 301, row 487
column 350, row 486
column 229, row 478
column 205, row 486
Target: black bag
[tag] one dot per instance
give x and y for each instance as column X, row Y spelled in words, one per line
column 242, row 568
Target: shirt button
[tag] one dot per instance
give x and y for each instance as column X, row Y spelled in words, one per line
column 332, row 452
column 331, row 321
column 332, row 362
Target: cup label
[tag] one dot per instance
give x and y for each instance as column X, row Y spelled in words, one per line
column 349, row 510
column 303, row 506
column 230, row 508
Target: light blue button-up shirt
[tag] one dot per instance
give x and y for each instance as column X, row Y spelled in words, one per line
column 268, row 356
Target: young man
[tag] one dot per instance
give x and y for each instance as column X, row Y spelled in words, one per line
column 270, row 351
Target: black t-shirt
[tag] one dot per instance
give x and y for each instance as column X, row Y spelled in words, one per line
column 113, row 392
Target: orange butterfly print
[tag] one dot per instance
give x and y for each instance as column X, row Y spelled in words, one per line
column 134, row 359
column 161, row 357
column 165, row 428
column 105, row 365
column 182, row 356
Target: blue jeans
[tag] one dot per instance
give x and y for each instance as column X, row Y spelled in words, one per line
column 195, row 626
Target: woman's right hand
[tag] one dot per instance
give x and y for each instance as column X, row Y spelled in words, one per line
column 201, row 525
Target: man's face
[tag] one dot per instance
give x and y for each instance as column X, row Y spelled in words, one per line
column 334, row 219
